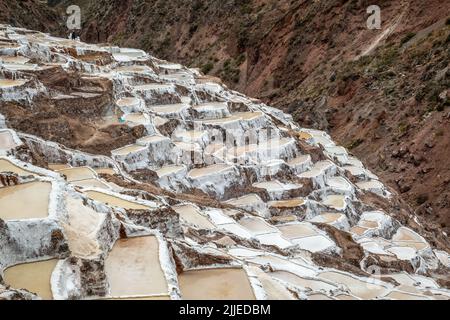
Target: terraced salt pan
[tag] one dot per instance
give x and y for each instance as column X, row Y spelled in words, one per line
column 399, row 295
column 212, row 110
column 297, row 230
column 300, row 163
column 158, row 87
column 257, row 225
column 314, row 243
column 190, row 136
column 8, row 166
column 328, row 218
column 170, row 66
column 34, row 277
column 7, row 141
column 134, row 69
column 282, row 264
column 25, row 201
column 21, row 67
column 273, row 289
column 407, row 238
column 115, row 201
column 151, row 139
column 138, row 118
column 335, row 201
column 58, row 166
column 216, row 284
column 268, row 150
column 276, row 189
column 306, row 237
column 237, row 230
column 128, row 149
column 133, row 268
column 126, row 55
column 235, row 117
column 339, row 183
column 77, row 174
column 405, row 234
column 359, row 288
column 191, row 215
column 14, row 59
column 129, row 103
column 170, row 110
column 359, row 231
column 312, row 284
column 209, row 170
column 109, row 171
column 319, row 169
column 274, row 239
column 92, row 183
column 169, row 170
column 6, row 83
column 287, row 204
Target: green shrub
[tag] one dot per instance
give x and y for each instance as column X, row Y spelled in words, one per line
column 406, row 38
column 206, row 68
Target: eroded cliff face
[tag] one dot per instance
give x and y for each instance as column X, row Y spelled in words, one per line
column 381, row 93
column 123, row 176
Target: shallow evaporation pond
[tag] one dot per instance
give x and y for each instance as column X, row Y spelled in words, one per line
column 398, row 295
column 133, row 268
column 136, row 118
column 91, row 183
column 7, row 166
column 216, row 168
column 58, row 166
column 169, row 108
column 247, row 200
column 77, row 174
column 134, row 69
column 327, row 217
column 13, row 59
column 124, row 102
column 216, row 284
column 405, row 234
column 249, row 115
column 109, row 171
column 292, row 203
column 302, row 135
column 359, row 288
column 115, row 201
column 129, row 149
column 7, row 141
column 25, row 201
column 312, row 284
column 191, row 215
column 6, row 83
column 257, row 226
column 168, row 170
column 34, row 277
column 372, row 184
column 335, row 201
column 152, row 139
column 297, row 230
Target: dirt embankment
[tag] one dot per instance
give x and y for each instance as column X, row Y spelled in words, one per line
column 81, row 115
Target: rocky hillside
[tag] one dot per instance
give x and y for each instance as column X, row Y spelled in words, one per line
column 123, row 176
column 382, row 93
column 33, row 14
